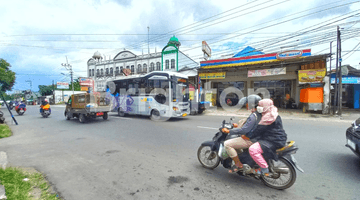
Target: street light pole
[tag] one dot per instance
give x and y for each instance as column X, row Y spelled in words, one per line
column 69, row 67
column 340, row 75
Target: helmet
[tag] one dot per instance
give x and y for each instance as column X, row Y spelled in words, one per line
column 251, row 100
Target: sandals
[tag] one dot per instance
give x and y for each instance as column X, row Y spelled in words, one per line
column 261, row 171
column 235, row 169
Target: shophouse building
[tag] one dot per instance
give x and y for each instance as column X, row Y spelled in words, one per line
column 282, row 74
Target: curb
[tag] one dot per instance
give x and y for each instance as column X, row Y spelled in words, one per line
column 305, row 118
column 3, row 159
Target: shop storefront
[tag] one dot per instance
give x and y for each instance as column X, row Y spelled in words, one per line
column 350, row 88
column 278, row 73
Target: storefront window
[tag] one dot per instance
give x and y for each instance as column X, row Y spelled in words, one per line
column 277, row 90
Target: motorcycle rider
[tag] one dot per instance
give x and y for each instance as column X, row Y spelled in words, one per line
column 242, row 135
column 270, row 135
column 44, row 105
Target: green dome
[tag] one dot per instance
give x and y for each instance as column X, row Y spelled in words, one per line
column 175, row 41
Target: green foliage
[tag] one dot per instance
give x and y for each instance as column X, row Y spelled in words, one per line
column 77, row 86
column 4, row 131
column 7, row 77
column 46, row 89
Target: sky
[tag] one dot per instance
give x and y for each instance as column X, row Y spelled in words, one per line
column 37, row 36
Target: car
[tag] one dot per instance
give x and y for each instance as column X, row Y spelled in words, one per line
column 353, row 137
column 85, row 106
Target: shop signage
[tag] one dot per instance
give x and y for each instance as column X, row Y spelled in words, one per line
column 266, row 72
column 86, row 82
column 289, row 54
column 347, row 80
column 215, row 75
column 62, row 85
column 206, row 49
column 311, row 76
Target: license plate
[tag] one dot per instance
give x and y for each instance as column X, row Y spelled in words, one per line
column 351, row 144
column 184, row 115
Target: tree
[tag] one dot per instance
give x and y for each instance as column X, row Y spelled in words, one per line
column 7, row 77
column 77, row 86
column 45, row 90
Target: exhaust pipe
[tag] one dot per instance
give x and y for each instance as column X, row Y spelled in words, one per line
column 282, row 170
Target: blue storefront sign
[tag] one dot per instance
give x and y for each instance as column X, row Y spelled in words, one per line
column 347, row 80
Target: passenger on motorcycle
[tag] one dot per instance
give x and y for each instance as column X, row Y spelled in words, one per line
column 270, row 136
column 242, row 135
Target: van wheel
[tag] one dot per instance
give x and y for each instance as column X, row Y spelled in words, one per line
column 82, row 118
column 121, row 113
column 67, row 116
column 105, row 116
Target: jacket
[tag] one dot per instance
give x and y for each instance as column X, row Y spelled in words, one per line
column 250, row 125
column 274, row 134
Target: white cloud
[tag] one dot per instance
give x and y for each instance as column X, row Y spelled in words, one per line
column 37, row 19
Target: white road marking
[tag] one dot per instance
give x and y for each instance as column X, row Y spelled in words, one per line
column 207, row 127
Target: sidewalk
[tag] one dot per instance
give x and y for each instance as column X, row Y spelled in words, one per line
column 348, row 115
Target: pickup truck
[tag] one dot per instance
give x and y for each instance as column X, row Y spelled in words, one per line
column 86, row 106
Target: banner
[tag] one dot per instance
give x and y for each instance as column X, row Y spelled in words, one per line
column 347, row 80
column 311, row 76
column 266, row 72
column 62, row 85
column 215, row 75
column 86, row 82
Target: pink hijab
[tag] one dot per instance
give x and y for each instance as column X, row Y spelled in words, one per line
column 270, row 112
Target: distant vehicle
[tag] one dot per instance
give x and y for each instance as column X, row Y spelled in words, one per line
column 20, row 108
column 87, row 105
column 353, row 137
column 140, row 95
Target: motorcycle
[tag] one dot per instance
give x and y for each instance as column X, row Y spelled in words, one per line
column 282, row 168
column 20, row 108
column 45, row 111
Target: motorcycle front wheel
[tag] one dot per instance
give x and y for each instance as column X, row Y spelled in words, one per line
column 208, row 159
column 284, row 175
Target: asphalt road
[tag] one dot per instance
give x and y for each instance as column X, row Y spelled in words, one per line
column 136, row 158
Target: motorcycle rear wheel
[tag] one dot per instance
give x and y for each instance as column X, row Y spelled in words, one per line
column 207, row 158
column 279, row 180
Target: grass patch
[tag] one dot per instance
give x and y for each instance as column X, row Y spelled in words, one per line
column 35, row 188
column 4, row 131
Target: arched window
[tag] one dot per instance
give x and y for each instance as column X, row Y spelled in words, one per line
column 166, row 64
column 89, row 72
column 144, row 67
column 132, row 69
column 97, row 72
column 111, row 71
column 102, row 71
column 172, row 63
column 127, row 67
column 158, row 66
column 92, row 72
column 121, row 69
column 117, row 70
column 107, row 71
column 152, row 66
column 139, row 68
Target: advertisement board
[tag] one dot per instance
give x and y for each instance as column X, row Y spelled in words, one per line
column 86, row 82
column 62, row 85
column 266, row 72
column 206, row 49
column 311, row 76
column 289, row 54
column 215, row 75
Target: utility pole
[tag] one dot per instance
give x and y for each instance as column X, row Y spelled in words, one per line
column 340, row 73
column 330, row 77
column 336, row 74
column 148, row 40
column 69, row 67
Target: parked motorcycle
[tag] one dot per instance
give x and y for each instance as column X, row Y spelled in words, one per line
column 282, row 169
column 20, row 108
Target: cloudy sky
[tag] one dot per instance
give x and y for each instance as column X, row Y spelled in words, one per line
column 37, row 36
